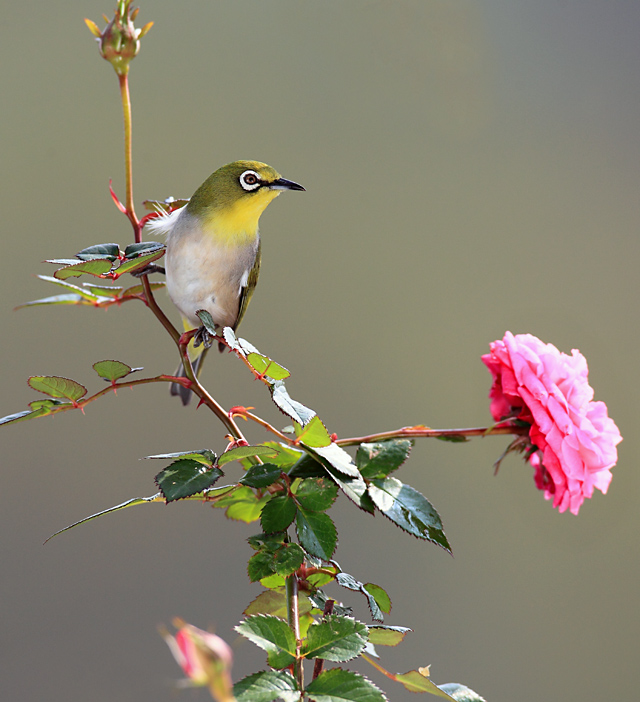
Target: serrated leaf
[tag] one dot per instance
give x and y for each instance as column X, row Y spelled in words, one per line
column 278, row 514
column 272, row 542
column 316, row 494
column 292, row 408
column 409, row 509
column 381, row 635
column 243, row 504
column 67, row 299
column 307, row 467
column 137, row 264
column 349, row 582
column 19, row 416
column 266, row 367
column 337, row 685
column 204, row 456
column 380, row 596
column 261, row 475
column 129, row 503
column 319, row 600
column 316, row 533
column 272, row 581
column 241, row 452
column 335, row 639
column 288, row 559
column 109, row 291
column 354, row 488
column 261, row 565
column 55, row 386
column 314, row 434
column 338, row 458
column 207, row 322
column 414, row 681
column 275, row 602
column 379, row 459
column 185, row 477
column 267, row 686
column 89, row 295
column 273, row 635
column 47, row 404
column 230, row 338
column 112, row 370
column 97, row 267
column 135, row 290
column 107, row 251
column 144, row 247
column 461, row 693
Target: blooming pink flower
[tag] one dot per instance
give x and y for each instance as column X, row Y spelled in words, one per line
column 573, row 440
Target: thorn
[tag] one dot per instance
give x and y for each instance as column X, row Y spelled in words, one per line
column 114, row 197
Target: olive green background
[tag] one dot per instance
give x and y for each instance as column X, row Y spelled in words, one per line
column 471, row 167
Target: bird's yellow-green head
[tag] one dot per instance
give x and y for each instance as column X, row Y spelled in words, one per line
column 231, row 200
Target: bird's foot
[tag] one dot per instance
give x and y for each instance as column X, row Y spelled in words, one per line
column 203, row 336
column 147, row 270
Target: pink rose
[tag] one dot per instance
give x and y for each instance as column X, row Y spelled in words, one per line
column 573, row 440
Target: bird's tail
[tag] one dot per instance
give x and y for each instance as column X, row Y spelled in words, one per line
column 178, row 390
column 197, row 356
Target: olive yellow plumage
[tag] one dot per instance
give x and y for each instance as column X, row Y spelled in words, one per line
column 212, row 259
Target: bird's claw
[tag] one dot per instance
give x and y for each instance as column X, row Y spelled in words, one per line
column 204, row 337
column 147, row 270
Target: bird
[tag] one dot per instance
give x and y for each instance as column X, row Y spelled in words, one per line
column 212, row 258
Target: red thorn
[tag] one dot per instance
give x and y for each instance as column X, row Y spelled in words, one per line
column 334, row 437
column 117, row 202
column 148, row 218
column 201, row 402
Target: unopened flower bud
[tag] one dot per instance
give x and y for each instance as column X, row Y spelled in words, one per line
column 120, row 40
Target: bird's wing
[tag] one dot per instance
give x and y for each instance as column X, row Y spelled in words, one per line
column 247, row 290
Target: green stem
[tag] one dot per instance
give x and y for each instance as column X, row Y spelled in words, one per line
column 128, row 159
column 293, row 617
column 426, row 432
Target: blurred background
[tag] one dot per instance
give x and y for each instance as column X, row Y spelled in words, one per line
column 471, row 167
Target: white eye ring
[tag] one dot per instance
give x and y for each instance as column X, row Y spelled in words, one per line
column 250, row 180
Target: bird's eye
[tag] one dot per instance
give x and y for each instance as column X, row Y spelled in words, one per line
column 250, row 180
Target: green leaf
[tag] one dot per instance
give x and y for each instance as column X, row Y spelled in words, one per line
column 316, row 533
column 139, row 290
column 137, row 264
column 69, row 299
column 55, row 386
column 455, row 439
column 204, row 456
column 167, row 206
column 110, row 291
column 278, row 514
column 354, row 488
column 409, row 509
column 271, row 541
column 292, row 408
column 47, row 404
column 314, row 434
column 266, row 367
column 207, row 322
column 261, row 565
column 461, row 693
column 381, row 635
column 275, row 602
column 19, row 416
column 414, row 680
column 319, row 600
column 337, row 685
column 379, row 459
column 316, row 494
column 243, row 504
column 108, row 251
column 97, row 267
column 144, row 247
column 338, row 458
column 129, row 503
column 240, row 452
column 335, row 639
column 273, row 635
column 349, row 582
column 380, row 596
column 307, row 467
column 84, row 292
column 261, row 475
column 112, row 370
column 267, row 686
column 185, row 477
column 288, row 559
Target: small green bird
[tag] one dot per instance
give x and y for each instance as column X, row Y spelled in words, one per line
column 212, row 259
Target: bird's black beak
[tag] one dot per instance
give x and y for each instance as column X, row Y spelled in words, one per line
column 284, row 184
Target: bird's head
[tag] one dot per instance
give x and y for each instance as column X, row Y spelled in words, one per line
column 233, row 198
